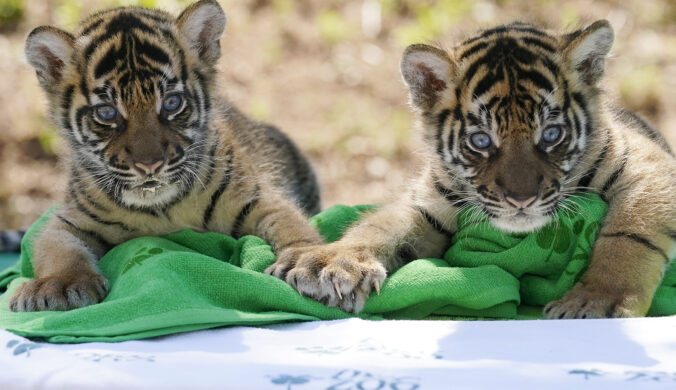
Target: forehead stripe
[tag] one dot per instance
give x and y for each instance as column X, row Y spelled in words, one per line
column 538, row 79
column 122, row 23
column 92, row 27
column 539, row 43
column 473, row 50
column 509, row 28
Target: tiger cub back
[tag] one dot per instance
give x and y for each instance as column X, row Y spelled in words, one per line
column 154, row 149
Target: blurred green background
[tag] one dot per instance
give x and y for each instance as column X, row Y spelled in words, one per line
column 326, row 72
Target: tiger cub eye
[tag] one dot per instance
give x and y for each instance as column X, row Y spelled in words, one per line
column 552, row 134
column 105, row 113
column 172, row 103
column 481, row 140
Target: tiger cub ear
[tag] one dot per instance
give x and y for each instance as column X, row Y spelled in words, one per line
column 587, row 49
column 427, row 73
column 203, row 23
column 48, row 50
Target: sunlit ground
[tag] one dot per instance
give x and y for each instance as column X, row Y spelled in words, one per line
column 326, row 72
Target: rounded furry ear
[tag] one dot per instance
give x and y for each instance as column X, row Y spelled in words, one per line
column 203, row 24
column 427, row 73
column 587, row 49
column 48, row 50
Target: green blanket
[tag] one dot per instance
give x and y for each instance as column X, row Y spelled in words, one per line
column 187, row 280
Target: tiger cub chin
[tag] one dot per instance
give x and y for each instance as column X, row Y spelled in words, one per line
column 514, row 122
column 153, row 149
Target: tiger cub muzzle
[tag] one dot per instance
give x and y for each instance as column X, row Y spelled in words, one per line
column 518, row 188
column 147, row 156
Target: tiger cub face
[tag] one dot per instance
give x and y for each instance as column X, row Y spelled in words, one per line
column 129, row 89
column 509, row 114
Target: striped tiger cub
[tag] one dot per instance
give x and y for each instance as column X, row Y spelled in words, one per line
column 514, row 122
column 154, row 149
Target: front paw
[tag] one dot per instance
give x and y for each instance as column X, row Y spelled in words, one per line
column 586, row 301
column 55, row 293
column 335, row 275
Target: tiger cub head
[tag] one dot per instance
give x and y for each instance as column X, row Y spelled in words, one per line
column 508, row 114
column 130, row 90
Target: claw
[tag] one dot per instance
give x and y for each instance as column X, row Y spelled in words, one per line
column 335, row 285
column 376, row 285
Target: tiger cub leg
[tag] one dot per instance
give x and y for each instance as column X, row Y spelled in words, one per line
column 344, row 273
column 279, row 222
column 66, row 276
column 627, row 263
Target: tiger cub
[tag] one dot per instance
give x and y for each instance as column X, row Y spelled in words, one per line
column 514, row 122
column 154, row 150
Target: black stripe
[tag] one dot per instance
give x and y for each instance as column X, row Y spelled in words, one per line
column 441, row 122
column 577, row 125
column 582, row 103
column 206, row 218
column 66, row 102
column 434, row 222
column 539, row 43
column 457, row 115
column 591, row 173
column 449, row 195
column 613, row 178
column 80, row 116
column 551, row 66
column 537, row 78
column 671, row 234
column 89, row 199
column 94, row 216
column 152, row 52
column 212, row 164
column 241, row 217
column 107, row 63
column 473, row 50
column 91, row 27
column 486, row 83
column 642, row 126
column 93, row 235
column 124, row 22
column 640, row 239
column 516, row 27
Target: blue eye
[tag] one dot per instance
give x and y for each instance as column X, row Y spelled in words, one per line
column 552, row 134
column 172, row 103
column 106, row 113
column 481, row 140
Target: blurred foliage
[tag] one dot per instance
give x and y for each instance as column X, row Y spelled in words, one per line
column 11, row 12
column 642, row 87
column 333, row 27
column 68, row 13
column 431, row 19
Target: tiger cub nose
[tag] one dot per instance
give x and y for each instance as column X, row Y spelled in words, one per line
column 148, row 168
column 520, row 202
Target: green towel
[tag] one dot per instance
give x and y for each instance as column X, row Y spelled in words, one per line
column 188, row 281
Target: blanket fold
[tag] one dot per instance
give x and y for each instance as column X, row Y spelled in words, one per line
column 188, row 281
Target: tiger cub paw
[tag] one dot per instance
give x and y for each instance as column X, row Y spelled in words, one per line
column 55, row 293
column 334, row 275
column 585, row 301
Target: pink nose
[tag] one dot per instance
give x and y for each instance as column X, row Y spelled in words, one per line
column 520, row 203
column 148, row 169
